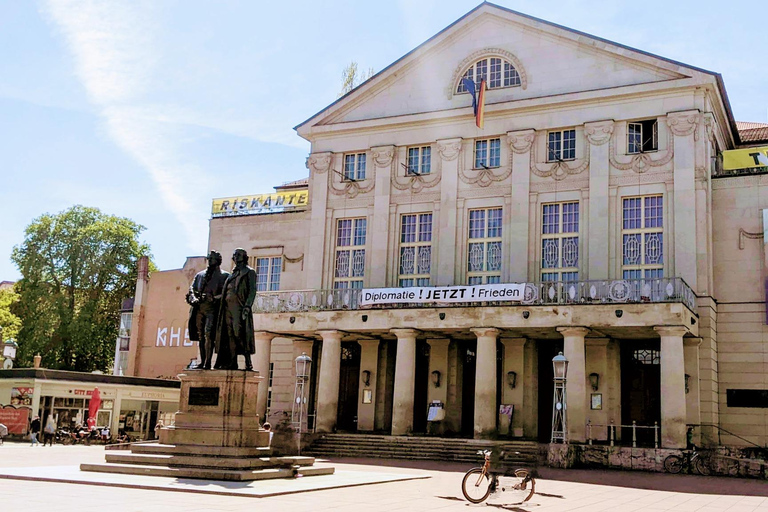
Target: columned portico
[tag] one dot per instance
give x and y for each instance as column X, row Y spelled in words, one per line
column 405, row 370
column 263, row 345
column 485, row 381
column 576, row 382
column 673, row 413
column 328, row 381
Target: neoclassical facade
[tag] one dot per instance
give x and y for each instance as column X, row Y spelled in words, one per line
column 593, row 182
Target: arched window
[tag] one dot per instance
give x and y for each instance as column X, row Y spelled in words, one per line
column 496, row 71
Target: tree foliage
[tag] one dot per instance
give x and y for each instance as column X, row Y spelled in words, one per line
column 351, row 77
column 9, row 322
column 77, row 267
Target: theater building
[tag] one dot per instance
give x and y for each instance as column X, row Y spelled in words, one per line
column 592, row 212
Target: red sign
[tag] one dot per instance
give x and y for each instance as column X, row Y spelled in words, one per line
column 15, row 420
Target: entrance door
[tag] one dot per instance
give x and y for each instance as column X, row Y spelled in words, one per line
column 640, row 389
column 349, row 382
column 420, row 391
column 468, row 355
column 548, row 349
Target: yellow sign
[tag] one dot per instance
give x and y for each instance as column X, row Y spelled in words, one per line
column 260, row 203
column 745, row 158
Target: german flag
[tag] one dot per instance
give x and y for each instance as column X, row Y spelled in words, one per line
column 480, row 109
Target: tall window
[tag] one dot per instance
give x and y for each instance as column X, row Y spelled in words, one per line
column 354, row 167
column 643, row 237
column 642, row 136
column 124, row 334
column 496, row 72
column 419, row 160
column 487, row 153
column 561, row 145
column 484, row 247
column 415, row 249
column 268, row 273
column 560, row 242
column 350, row 253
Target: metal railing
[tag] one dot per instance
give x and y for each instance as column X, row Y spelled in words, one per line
column 616, row 291
column 633, row 429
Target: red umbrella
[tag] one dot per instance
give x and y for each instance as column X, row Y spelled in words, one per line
column 93, row 408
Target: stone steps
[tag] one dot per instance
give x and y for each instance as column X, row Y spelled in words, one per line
column 201, row 450
column 420, row 448
column 204, row 473
column 198, row 461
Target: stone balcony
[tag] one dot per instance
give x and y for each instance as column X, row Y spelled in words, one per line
column 619, row 291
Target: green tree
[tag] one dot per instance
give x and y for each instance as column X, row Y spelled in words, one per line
column 77, row 267
column 9, row 323
column 351, row 77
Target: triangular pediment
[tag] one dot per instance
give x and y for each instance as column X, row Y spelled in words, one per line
column 551, row 60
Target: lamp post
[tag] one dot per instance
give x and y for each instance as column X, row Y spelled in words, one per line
column 559, row 428
column 9, row 353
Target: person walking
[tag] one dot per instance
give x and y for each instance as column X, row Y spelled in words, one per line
column 34, row 429
column 49, row 432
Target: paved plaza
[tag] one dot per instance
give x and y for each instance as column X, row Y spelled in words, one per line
column 405, row 485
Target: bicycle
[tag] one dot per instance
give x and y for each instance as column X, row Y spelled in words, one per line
column 692, row 459
column 479, row 483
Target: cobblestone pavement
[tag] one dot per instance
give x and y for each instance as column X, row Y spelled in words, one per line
column 556, row 490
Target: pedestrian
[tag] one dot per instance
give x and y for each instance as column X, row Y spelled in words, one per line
column 49, row 431
column 34, row 429
column 158, row 427
column 266, row 426
column 3, row 433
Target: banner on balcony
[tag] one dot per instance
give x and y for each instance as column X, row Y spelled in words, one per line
column 260, row 203
column 444, row 294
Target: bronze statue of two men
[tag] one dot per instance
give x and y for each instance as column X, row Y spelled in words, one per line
column 220, row 318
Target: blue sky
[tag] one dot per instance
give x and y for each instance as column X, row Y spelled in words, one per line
column 149, row 109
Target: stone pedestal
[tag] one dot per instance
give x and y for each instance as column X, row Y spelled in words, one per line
column 218, row 408
column 216, row 436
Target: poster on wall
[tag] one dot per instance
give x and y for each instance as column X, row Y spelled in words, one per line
column 22, row 396
column 16, row 420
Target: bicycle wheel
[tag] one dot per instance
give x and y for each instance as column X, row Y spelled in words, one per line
column 523, row 485
column 476, row 485
column 702, row 465
column 673, row 464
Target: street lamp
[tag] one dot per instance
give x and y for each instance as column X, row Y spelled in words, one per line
column 9, row 353
column 303, row 374
column 560, row 370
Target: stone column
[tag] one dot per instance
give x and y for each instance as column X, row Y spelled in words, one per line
column 448, row 151
column 683, row 125
column 405, row 373
column 382, row 161
column 514, row 360
column 598, row 134
column 576, row 382
column 673, row 413
column 261, row 359
column 485, row 382
column 318, row 165
column 328, row 381
column 520, row 143
column 692, row 400
column 369, row 357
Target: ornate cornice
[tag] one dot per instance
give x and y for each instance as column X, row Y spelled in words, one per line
column 382, row 156
column 640, row 162
column 599, row 133
column 449, row 150
column 487, row 52
column 416, row 183
column 558, row 171
column 484, row 177
column 708, row 120
column 319, row 162
column 684, row 123
column 521, row 142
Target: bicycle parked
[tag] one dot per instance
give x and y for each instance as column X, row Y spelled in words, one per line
column 690, row 459
column 479, row 483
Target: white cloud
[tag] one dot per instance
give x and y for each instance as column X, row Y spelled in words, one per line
column 114, row 55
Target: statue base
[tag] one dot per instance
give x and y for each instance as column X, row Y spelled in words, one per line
column 216, row 436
